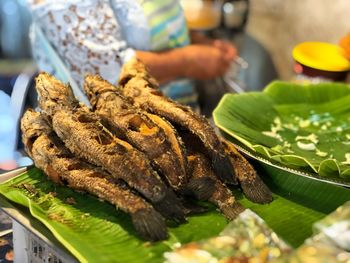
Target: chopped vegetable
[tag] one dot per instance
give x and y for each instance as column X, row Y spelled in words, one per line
column 306, row 146
column 347, row 159
column 339, row 129
column 320, row 153
column 312, row 138
column 304, row 123
column 273, row 135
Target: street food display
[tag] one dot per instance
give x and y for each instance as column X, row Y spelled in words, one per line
column 136, row 149
column 175, row 182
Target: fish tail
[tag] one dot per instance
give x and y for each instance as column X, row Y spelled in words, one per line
column 149, row 224
column 201, row 188
column 191, row 208
column 224, row 169
column 256, row 190
column 232, row 211
column 170, row 207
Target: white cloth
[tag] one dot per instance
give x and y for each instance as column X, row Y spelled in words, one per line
column 87, row 35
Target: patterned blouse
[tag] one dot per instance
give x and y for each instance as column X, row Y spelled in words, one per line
column 71, row 38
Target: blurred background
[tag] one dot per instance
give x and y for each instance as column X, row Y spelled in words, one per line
column 265, row 32
column 278, row 25
column 281, row 24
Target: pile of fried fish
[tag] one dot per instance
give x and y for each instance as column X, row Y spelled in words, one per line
column 136, row 149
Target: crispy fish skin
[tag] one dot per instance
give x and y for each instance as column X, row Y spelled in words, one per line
column 140, row 88
column 252, row 185
column 140, row 129
column 222, row 197
column 85, row 136
column 50, row 155
column 53, row 94
column 176, row 143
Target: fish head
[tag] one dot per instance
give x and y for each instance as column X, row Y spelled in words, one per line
column 53, row 94
column 95, row 87
column 33, row 124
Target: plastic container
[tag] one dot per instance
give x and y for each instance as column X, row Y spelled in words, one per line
column 321, row 60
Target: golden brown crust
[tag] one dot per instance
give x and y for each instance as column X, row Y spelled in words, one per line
column 50, row 155
column 222, row 196
column 87, row 138
column 140, row 88
column 139, row 129
column 252, row 185
column 53, row 95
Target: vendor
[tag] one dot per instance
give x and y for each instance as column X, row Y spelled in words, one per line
column 72, row 38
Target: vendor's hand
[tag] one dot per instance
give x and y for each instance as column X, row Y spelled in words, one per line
column 226, row 46
column 229, row 50
column 204, row 62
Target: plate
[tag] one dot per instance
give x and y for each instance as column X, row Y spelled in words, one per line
column 301, row 127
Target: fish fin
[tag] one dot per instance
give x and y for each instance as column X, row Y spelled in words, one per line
column 256, row 190
column 201, row 188
column 149, row 224
column 170, row 207
column 191, row 208
column 232, row 211
column 224, row 170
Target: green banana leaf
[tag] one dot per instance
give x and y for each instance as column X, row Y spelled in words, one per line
column 304, row 127
column 94, row 231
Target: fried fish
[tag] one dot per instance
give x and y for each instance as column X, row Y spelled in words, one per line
column 149, row 134
column 50, row 155
column 252, row 185
column 84, row 135
column 141, row 89
column 222, row 197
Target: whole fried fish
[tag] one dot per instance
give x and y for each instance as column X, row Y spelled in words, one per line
column 85, row 136
column 141, row 89
column 155, row 137
column 222, row 197
column 252, row 185
column 50, row 155
column 200, row 187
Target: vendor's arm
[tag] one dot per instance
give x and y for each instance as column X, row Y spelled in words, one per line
column 205, row 59
column 225, row 46
column 194, row 61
